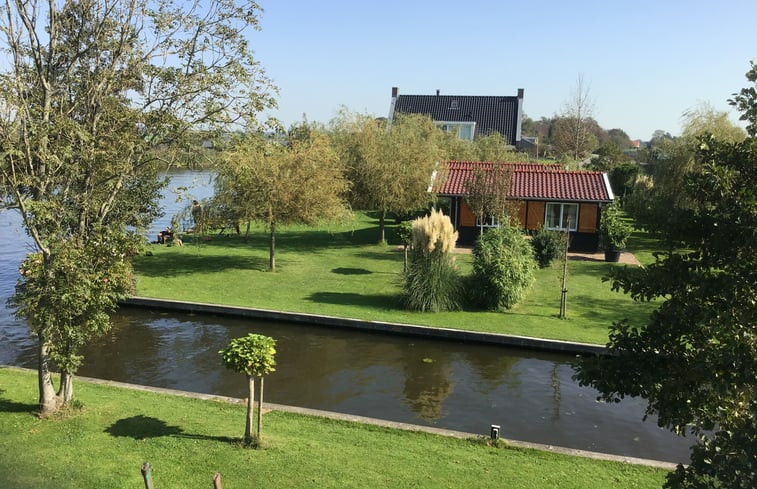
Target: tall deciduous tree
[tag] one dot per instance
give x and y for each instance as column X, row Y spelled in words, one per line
column 695, row 362
column 389, row 168
column 92, row 94
column 300, row 182
column 572, row 135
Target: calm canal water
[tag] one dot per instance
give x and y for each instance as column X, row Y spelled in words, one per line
column 437, row 383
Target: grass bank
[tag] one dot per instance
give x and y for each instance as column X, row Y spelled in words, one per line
column 342, row 272
column 103, row 445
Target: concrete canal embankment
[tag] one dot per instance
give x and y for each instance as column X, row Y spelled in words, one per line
column 452, row 334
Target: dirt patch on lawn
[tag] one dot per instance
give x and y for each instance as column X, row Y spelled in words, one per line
column 626, row 257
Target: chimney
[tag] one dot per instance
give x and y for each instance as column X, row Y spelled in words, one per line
column 395, row 92
column 520, row 93
column 437, row 92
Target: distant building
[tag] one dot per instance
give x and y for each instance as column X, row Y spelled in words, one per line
column 468, row 116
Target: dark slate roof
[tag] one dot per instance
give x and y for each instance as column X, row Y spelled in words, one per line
column 491, row 113
column 533, row 181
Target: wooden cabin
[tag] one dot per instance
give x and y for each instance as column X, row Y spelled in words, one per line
column 545, row 196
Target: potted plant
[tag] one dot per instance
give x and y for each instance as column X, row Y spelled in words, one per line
column 614, row 231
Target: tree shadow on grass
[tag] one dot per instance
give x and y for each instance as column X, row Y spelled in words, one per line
column 142, row 427
column 350, row 299
column 175, row 265
column 391, row 254
column 351, row 271
column 8, row 406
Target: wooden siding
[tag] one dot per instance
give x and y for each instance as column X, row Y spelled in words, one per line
column 535, row 214
column 519, row 218
column 467, row 218
column 587, row 218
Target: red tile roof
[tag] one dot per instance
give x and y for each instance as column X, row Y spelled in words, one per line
column 534, row 181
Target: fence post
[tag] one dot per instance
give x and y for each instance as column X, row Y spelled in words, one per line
column 217, row 481
column 146, row 475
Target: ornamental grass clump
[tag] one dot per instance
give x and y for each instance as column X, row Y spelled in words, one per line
column 431, row 282
column 503, row 267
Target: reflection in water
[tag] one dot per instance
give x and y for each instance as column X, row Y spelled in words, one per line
column 555, row 391
column 428, row 381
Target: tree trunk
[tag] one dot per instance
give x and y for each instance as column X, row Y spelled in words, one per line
column 382, row 222
column 247, row 232
column 272, row 253
column 250, row 400
column 260, row 409
column 48, row 403
column 66, row 388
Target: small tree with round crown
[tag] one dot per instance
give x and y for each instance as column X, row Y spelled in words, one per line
column 252, row 355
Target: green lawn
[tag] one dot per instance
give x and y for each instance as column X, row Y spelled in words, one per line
column 342, row 272
column 104, row 444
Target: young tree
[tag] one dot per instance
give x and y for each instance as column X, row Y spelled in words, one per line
column 252, row 355
column 92, row 94
column 389, row 169
column 301, row 182
column 695, row 361
column 487, row 191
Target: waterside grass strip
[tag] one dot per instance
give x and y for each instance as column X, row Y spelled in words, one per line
column 530, row 343
column 375, row 422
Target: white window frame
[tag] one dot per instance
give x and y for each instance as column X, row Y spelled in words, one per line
column 489, row 222
column 454, row 127
column 561, row 226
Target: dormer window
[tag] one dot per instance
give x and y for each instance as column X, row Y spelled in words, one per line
column 463, row 130
column 455, row 104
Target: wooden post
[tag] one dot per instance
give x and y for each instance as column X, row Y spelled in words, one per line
column 250, row 401
column 564, row 291
column 260, row 409
column 217, row 481
column 146, row 475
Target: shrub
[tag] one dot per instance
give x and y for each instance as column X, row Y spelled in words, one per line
column 613, row 229
column 503, row 267
column 431, row 282
column 548, row 245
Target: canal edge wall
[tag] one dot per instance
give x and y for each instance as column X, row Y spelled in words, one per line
column 531, row 343
column 374, row 422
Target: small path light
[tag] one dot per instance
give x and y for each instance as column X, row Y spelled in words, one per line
column 495, row 432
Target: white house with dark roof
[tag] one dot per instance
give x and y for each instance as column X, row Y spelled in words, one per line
column 468, row 116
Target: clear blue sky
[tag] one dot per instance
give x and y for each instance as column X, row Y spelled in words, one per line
column 646, row 61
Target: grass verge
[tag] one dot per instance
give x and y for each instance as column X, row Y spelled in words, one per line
column 342, row 272
column 103, row 445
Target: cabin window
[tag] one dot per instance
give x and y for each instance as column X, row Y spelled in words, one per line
column 561, row 216
column 489, row 222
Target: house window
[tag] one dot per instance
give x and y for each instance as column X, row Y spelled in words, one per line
column 464, row 130
column 561, row 216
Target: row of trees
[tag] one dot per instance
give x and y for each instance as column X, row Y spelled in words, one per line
column 313, row 173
